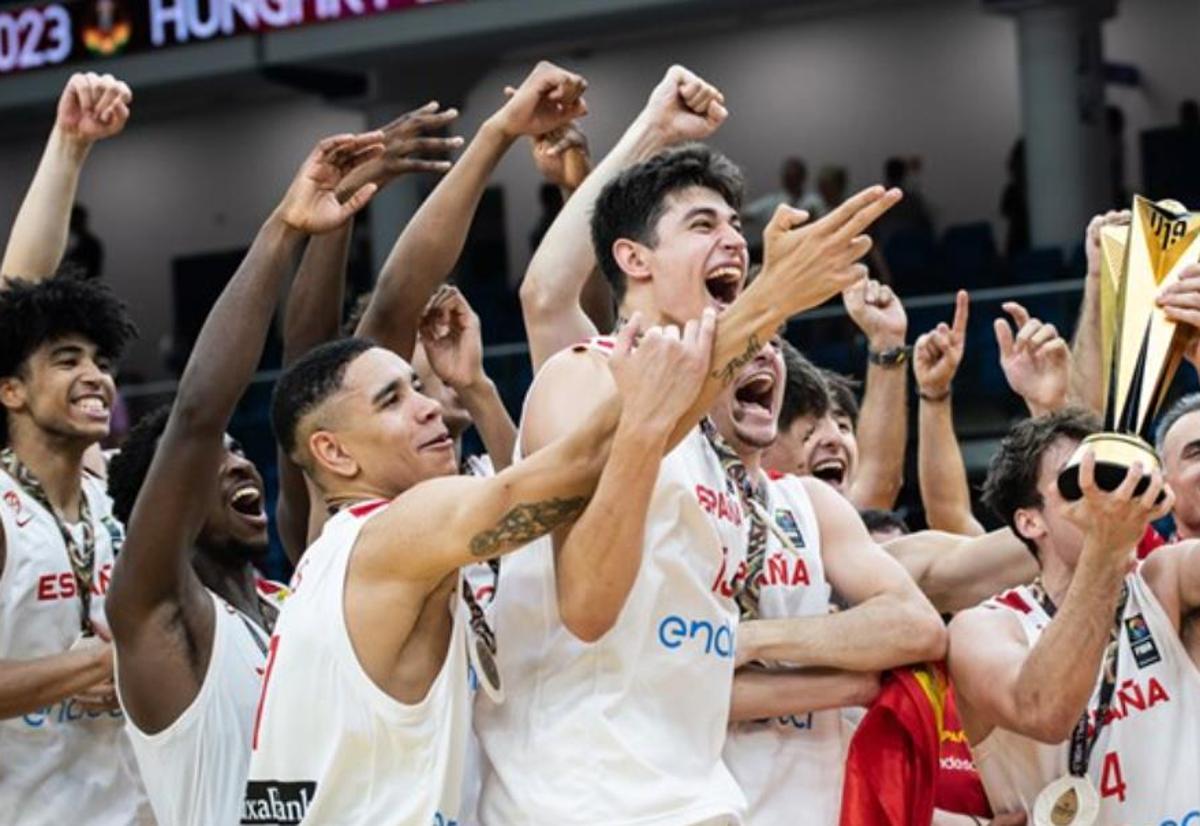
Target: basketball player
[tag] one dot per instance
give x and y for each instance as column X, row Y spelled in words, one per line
column 62, row 751
column 1073, row 688
column 188, row 620
column 602, row 629
column 785, row 739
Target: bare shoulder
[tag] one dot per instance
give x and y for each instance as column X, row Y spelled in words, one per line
column 566, row 392
column 977, row 629
column 828, row 503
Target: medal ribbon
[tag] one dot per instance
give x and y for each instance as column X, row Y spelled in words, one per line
column 1081, row 744
column 81, row 556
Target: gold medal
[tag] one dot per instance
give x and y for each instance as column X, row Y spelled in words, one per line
column 1068, row 801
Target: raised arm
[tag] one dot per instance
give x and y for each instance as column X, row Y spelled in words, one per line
column 889, row 624
column 681, row 107
column 92, row 107
column 1041, row 692
column 450, row 335
column 883, row 423
column 1036, row 362
column 430, row 245
column 155, row 595
column 1087, row 378
column 940, row 470
column 958, row 572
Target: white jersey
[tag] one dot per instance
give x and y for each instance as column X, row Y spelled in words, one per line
column 331, row 747
column 1147, row 760
column 59, row 764
column 781, row 761
column 195, row 768
column 628, row 729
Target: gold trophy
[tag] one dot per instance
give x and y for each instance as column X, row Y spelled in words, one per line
column 1141, row 348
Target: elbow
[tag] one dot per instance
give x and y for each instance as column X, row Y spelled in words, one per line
column 925, row 635
column 1050, row 724
column 536, row 299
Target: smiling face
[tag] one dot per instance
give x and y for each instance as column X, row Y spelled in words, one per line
column 378, row 432
column 746, row 413
column 698, row 258
column 823, row 446
column 1181, row 470
column 236, row 523
column 65, row 388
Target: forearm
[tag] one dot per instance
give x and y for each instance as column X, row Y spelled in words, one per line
column 1058, row 677
column 230, row 344
column 882, row 436
column 880, row 633
column 761, row 694
column 430, row 245
column 941, row 473
column 28, row 685
column 495, row 426
column 599, row 558
column 39, row 233
column 314, row 303
column 959, row 572
column 1087, row 378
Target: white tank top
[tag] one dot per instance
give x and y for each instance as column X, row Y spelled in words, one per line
column 195, row 768
column 1146, row 764
column 330, row 746
column 628, row 729
column 786, row 760
column 59, row 764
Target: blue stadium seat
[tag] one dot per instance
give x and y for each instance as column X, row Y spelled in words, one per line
column 910, row 255
column 1036, row 266
column 968, row 256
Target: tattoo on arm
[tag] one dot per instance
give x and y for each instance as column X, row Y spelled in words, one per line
column 726, row 374
column 525, row 523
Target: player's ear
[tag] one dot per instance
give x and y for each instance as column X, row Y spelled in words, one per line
column 12, row 393
column 329, row 454
column 633, row 258
column 1030, row 523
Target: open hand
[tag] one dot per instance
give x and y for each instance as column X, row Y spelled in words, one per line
column 805, row 264
column 562, row 157
column 1181, row 303
column 684, row 107
column 1091, row 241
column 1117, row 520
column 938, row 353
column 449, row 330
column 877, row 311
column 550, row 98
column 93, row 107
column 1037, row 362
column 311, row 204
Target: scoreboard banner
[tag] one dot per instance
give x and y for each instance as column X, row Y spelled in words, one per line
column 39, row 35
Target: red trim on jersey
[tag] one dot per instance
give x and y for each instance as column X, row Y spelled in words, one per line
column 1013, row 600
column 262, row 695
column 1150, row 542
column 365, row 508
column 775, row 475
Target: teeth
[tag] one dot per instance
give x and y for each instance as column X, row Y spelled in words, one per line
column 725, row 273
column 246, row 494
column 91, row 404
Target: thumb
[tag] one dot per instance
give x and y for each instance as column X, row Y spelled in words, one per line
column 358, row 200
column 627, row 335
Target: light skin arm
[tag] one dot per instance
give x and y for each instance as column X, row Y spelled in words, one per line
column 883, row 422
column 311, row 317
column 156, row 605
column 957, row 572
column 681, row 107
column 92, row 107
column 1041, row 692
column 432, row 242
column 1173, row 573
column 940, row 471
column 29, row 685
column 760, row 694
column 890, row 623
column 1086, row 378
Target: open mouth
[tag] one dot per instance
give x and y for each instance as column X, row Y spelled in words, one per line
column 93, row 406
column 724, row 284
column 248, row 501
column 831, row 470
column 757, row 393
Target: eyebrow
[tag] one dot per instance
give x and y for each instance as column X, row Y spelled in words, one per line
column 391, row 387
column 700, row 210
column 66, row 349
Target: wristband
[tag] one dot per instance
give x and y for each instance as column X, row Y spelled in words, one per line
column 891, row 357
column 925, row 397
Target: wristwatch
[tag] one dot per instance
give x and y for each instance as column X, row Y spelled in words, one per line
column 891, row 357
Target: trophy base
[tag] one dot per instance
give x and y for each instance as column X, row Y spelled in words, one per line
column 1115, row 453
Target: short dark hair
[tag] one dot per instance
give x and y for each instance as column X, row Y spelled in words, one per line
column 1012, row 477
column 1185, row 405
column 843, row 391
column 882, row 520
column 804, row 390
column 35, row 312
column 309, row 382
column 127, row 470
column 630, row 205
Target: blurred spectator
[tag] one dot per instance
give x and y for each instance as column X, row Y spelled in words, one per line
column 912, row 213
column 1189, row 116
column 85, row 253
column 831, row 185
column 793, row 179
column 551, row 198
column 1014, row 203
column 1114, row 120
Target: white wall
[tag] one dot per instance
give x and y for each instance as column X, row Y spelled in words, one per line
column 937, row 79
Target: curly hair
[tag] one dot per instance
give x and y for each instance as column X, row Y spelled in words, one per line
column 309, row 382
column 843, row 392
column 33, row 313
column 1012, row 478
column 127, row 470
column 630, row 205
column 805, row 392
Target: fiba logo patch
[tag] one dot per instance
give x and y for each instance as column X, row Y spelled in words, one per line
column 1141, row 641
column 786, row 520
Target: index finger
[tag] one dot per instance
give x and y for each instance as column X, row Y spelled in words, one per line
column 851, row 206
column 863, row 218
column 962, row 309
column 1019, row 314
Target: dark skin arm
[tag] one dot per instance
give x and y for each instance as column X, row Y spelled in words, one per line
column 161, row 617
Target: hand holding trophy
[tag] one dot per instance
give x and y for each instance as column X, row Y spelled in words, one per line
column 1142, row 347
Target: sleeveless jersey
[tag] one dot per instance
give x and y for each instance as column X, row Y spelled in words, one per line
column 331, row 747
column 782, row 761
column 628, row 729
column 195, row 768
column 59, row 764
column 1147, row 760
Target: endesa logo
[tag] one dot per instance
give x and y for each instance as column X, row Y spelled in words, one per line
column 66, row 712
column 1192, row 818
column 676, row 632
